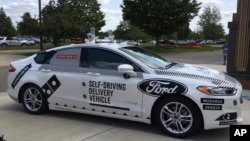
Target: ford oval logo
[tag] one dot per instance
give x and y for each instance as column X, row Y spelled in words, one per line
column 158, row 87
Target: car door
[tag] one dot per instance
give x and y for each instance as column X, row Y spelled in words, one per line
column 15, row 42
column 107, row 90
column 63, row 72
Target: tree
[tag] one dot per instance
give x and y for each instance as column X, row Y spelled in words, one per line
column 210, row 23
column 71, row 18
column 2, row 17
column 183, row 32
column 158, row 17
column 130, row 32
column 6, row 26
column 28, row 25
column 88, row 14
column 55, row 18
column 196, row 35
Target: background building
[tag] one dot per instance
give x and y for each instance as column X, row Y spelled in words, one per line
column 239, row 44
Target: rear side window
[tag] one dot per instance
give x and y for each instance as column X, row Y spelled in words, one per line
column 67, row 57
column 43, row 57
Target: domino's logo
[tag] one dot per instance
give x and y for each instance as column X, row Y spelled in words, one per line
column 51, row 86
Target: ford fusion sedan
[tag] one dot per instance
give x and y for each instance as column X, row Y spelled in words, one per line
column 126, row 82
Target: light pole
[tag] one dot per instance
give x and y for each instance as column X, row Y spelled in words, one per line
column 40, row 27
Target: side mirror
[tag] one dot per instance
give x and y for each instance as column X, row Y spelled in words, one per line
column 126, row 70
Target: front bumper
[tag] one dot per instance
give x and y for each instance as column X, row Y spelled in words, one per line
column 229, row 112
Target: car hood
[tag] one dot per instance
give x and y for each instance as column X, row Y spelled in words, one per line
column 199, row 73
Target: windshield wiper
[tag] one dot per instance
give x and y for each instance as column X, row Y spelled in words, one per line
column 170, row 65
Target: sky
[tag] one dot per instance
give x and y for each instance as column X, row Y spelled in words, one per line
column 112, row 10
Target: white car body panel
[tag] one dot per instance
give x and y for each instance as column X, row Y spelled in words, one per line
column 86, row 90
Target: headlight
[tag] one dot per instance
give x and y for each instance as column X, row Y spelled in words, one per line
column 217, row 91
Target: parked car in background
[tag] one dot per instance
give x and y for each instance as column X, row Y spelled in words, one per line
column 187, row 42
column 13, row 42
column 219, row 42
column 1, row 38
column 37, row 40
column 130, row 42
column 206, row 42
column 30, row 40
column 171, row 42
column 151, row 42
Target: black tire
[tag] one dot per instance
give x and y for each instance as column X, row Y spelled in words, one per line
column 34, row 100
column 178, row 117
column 24, row 45
column 4, row 45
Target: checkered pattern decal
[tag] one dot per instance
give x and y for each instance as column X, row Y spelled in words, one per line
column 218, row 82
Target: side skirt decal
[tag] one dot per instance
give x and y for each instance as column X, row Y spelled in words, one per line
column 113, row 107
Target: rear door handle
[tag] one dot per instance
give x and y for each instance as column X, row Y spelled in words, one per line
column 45, row 70
column 93, row 74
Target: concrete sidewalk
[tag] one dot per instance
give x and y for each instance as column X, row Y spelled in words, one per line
column 6, row 56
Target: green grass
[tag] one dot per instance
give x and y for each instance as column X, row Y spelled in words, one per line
column 26, row 53
column 36, row 46
column 27, row 49
column 181, row 49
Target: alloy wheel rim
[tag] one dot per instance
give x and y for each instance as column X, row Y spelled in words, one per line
column 33, row 99
column 176, row 118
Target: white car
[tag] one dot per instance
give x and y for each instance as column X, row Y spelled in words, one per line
column 4, row 41
column 126, row 82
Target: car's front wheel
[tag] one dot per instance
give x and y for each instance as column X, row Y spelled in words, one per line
column 24, row 44
column 34, row 100
column 178, row 117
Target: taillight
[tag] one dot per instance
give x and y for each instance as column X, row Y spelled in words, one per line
column 12, row 68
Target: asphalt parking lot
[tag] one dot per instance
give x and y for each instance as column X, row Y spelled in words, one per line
column 17, row 125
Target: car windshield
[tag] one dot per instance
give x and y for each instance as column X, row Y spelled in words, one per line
column 147, row 57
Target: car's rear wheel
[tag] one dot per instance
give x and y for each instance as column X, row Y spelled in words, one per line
column 34, row 100
column 178, row 117
column 4, row 45
column 24, row 44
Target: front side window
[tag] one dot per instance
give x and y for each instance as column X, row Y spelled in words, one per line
column 146, row 57
column 104, row 59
